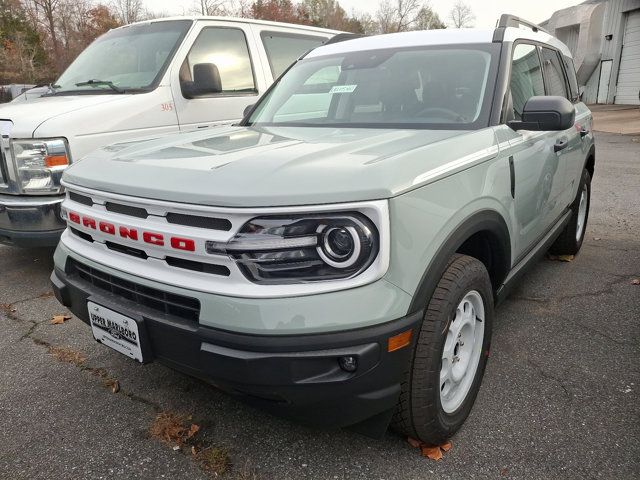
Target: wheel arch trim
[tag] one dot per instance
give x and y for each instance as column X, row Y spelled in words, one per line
column 481, row 221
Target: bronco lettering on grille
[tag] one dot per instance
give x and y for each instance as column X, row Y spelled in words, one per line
column 152, row 238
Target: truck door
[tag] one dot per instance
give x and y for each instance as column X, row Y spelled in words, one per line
column 538, row 168
column 217, row 75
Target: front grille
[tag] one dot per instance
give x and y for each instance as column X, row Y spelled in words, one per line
column 168, row 303
column 76, row 197
column 126, row 210
column 199, row 221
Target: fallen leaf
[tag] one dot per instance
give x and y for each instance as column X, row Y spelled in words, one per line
column 504, row 471
column 113, row 384
column 59, row 319
column 413, row 442
column 192, row 430
column 635, row 281
column 561, row 258
column 194, row 451
column 176, row 447
column 434, row 453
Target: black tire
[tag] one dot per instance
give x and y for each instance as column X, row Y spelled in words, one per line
column 419, row 413
column 568, row 243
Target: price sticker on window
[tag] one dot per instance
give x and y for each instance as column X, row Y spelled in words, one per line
column 342, row 89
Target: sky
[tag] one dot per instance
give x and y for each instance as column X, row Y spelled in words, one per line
column 486, row 11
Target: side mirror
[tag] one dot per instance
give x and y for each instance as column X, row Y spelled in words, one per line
column 547, row 113
column 247, row 110
column 206, row 81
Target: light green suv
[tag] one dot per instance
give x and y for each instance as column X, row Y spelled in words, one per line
column 337, row 256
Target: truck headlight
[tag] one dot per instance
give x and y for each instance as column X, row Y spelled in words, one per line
column 40, row 163
column 302, row 248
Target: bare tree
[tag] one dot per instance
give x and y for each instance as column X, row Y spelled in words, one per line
column 47, row 10
column 128, row 11
column 461, row 15
column 405, row 15
column 211, row 7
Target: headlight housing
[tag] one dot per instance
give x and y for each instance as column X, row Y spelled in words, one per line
column 302, row 248
column 39, row 164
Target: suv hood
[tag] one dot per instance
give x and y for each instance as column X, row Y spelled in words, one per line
column 27, row 116
column 261, row 167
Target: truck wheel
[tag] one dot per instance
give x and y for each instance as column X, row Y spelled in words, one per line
column 450, row 354
column 570, row 240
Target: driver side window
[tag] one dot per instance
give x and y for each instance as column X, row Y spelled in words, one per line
column 526, row 77
column 220, row 56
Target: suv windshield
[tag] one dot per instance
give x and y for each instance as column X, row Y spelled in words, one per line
column 129, row 58
column 425, row 87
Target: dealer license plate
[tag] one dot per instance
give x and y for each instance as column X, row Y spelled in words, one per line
column 115, row 330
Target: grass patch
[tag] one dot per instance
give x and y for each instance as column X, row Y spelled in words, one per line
column 67, row 355
column 172, row 429
column 215, row 460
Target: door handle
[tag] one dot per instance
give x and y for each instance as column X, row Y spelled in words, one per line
column 583, row 132
column 560, row 145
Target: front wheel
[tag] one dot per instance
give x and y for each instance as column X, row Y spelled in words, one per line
column 450, row 355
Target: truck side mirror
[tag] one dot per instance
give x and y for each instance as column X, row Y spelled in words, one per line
column 545, row 113
column 206, row 81
column 247, row 110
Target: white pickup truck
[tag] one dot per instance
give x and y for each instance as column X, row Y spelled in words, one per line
column 147, row 79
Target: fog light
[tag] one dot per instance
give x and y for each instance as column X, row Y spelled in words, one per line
column 348, row 364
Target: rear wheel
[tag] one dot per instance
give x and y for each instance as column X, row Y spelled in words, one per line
column 571, row 238
column 450, row 355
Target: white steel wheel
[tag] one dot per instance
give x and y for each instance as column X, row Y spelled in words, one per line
column 450, row 354
column 462, row 351
column 582, row 212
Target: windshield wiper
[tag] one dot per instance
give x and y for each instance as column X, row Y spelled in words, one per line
column 97, row 83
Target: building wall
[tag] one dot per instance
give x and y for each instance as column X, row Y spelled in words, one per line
column 614, row 23
column 584, row 28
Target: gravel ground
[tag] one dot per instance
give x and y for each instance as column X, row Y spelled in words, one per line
column 559, row 399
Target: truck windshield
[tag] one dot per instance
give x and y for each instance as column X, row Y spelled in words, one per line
column 132, row 58
column 425, row 87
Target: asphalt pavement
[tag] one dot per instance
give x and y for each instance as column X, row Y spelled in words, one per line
column 559, row 399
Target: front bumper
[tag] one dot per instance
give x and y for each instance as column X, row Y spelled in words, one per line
column 27, row 221
column 295, row 376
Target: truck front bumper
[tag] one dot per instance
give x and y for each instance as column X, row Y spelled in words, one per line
column 296, row 376
column 27, row 221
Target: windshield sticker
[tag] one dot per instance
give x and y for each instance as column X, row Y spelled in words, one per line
column 342, row 89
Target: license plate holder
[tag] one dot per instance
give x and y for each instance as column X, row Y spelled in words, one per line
column 124, row 334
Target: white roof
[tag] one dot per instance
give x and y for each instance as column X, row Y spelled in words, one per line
column 448, row 36
column 238, row 20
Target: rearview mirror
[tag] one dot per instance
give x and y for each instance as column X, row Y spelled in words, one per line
column 206, row 81
column 548, row 113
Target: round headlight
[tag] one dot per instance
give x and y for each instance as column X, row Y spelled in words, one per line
column 340, row 246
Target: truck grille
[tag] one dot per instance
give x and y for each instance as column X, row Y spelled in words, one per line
column 168, row 303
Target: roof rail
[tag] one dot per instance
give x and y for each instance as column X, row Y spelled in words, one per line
column 507, row 20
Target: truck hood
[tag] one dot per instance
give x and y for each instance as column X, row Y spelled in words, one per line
column 261, row 167
column 27, row 116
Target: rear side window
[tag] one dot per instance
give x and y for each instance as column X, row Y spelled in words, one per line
column 227, row 49
column 571, row 73
column 526, row 77
column 556, row 84
column 285, row 48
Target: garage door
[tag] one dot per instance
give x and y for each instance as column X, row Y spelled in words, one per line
column 628, row 91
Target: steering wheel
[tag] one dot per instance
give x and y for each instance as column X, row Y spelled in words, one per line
column 455, row 116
